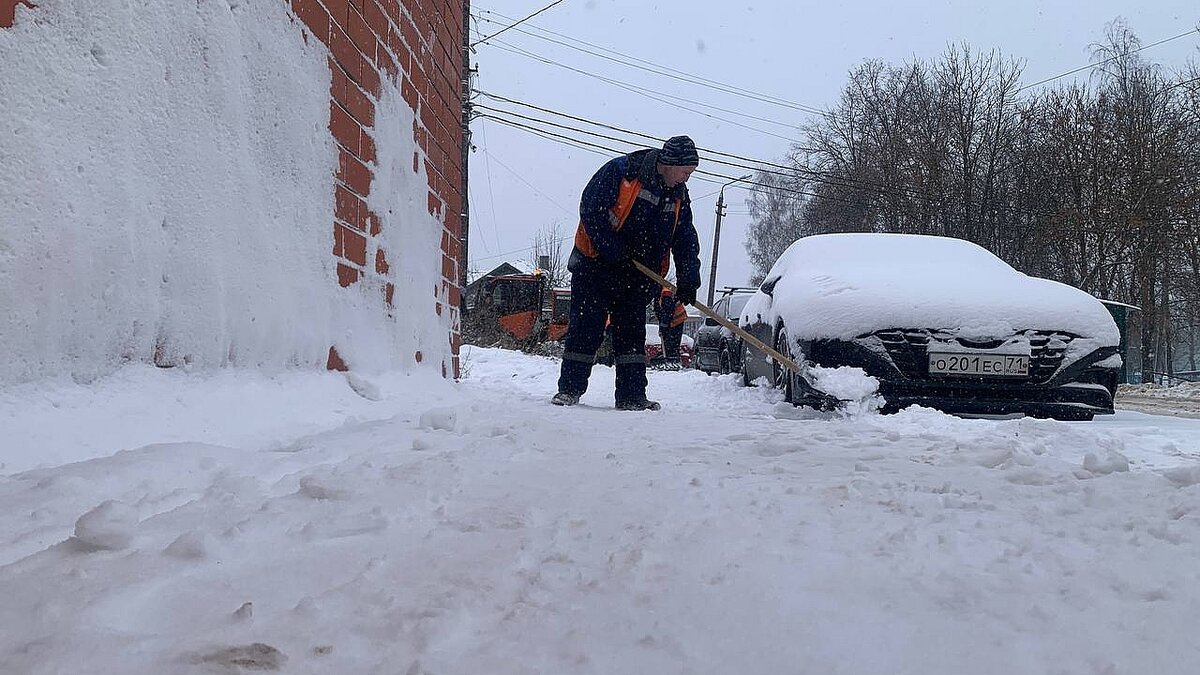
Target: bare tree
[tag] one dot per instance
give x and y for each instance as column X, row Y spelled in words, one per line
column 775, row 222
column 548, row 249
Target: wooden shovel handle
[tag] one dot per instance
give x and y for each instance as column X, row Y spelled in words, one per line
column 744, row 334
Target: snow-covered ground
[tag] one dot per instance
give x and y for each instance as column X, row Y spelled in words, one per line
column 233, row 521
column 1181, row 400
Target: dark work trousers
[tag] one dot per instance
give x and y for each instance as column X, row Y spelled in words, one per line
column 671, row 337
column 600, row 293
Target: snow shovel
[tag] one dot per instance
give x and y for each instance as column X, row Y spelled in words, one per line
column 827, row 401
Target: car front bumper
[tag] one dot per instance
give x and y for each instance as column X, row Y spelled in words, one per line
column 1072, row 398
column 1063, row 390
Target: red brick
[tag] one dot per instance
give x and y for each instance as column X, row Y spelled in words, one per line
column 420, row 81
column 335, row 362
column 346, row 275
column 369, row 78
column 409, row 33
column 409, row 92
column 419, row 17
column 389, row 292
column 354, row 173
column 381, row 265
column 400, row 50
column 376, row 18
column 345, row 129
column 349, row 208
column 455, row 296
column 360, row 33
column 314, row 16
column 386, row 63
column 339, row 10
column 346, row 92
column 434, row 204
column 454, row 205
column 366, row 145
column 429, row 122
column 373, row 224
column 454, row 250
column 346, row 53
column 354, row 246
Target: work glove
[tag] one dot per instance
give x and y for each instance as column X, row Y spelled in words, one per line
column 686, row 295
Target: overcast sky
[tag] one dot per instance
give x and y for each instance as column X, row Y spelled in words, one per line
column 797, row 53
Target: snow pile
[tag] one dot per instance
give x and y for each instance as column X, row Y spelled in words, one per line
column 1183, row 392
column 844, row 285
column 108, row 527
column 852, row 385
column 1180, row 400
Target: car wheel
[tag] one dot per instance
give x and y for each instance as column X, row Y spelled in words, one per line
column 723, row 362
column 783, row 378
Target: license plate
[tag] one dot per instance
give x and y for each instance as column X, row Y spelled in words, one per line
column 985, row 365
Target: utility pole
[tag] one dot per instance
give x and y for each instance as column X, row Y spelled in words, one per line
column 712, row 271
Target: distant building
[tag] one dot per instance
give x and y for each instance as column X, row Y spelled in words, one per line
column 503, row 269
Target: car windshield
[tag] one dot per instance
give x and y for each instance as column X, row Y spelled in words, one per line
column 736, row 303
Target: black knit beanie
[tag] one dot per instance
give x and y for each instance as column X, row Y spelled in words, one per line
column 679, row 151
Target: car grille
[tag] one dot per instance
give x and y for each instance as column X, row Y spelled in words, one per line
column 908, row 349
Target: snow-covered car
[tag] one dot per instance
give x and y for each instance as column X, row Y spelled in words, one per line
column 718, row 349
column 940, row 322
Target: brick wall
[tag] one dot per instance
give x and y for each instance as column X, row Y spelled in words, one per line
column 417, row 44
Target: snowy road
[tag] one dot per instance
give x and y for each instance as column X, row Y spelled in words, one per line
column 473, row 528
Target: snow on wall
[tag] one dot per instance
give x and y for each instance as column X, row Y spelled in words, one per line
column 168, row 188
column 169, row 195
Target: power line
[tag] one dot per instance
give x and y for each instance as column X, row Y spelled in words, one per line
column 514, row 25
column 757, row 164
column 1108, row 60
column 720, row 176
column 651, row 67
column 786, row 173
column 642, row 91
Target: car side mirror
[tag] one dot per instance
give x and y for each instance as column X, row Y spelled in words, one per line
column 768, row 286
column 711, row 322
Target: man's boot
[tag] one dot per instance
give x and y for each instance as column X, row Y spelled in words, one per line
column 563, row 398
column 643, row 404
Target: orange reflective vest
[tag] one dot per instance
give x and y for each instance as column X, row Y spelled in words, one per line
column 630, row 190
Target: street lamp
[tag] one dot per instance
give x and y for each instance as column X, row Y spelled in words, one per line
column 712, row 272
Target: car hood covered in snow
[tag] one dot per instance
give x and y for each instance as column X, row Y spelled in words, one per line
column 844, row 285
